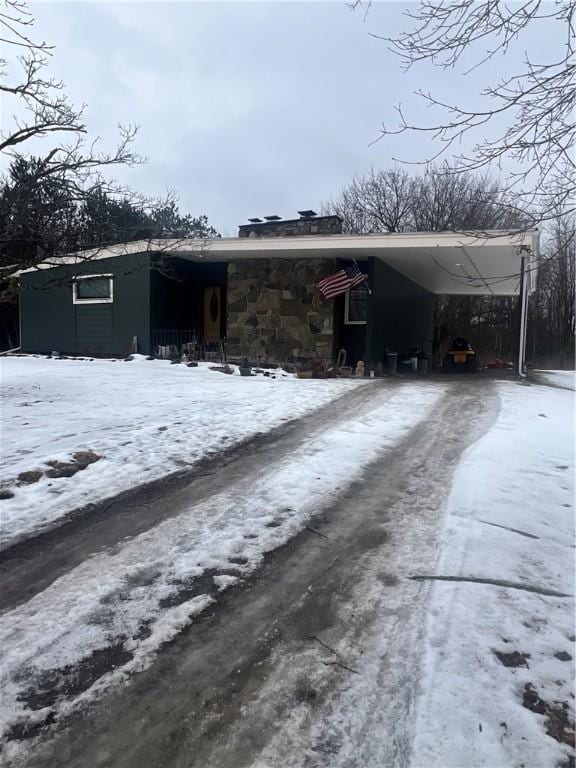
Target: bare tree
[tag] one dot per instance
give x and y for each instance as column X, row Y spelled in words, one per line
column 552, row 307
column 394, row 201
column 70, row 161
column 536, row 103
column 443, row 200
column 379, row 201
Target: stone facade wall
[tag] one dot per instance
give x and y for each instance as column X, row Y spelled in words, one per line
column 314, row 225
column 276, row 314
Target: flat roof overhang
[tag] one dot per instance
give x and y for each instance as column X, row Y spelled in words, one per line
column 471, row 263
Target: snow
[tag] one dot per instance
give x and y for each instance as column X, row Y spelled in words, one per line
column 146, row 418
column 565, row 379
column 509, row 517
column 518, row 476
column 429, row 691
column 109, row 598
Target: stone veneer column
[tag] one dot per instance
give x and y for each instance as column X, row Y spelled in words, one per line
column 276, row 314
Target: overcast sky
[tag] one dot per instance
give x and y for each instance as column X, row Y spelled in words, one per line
column 250, row 109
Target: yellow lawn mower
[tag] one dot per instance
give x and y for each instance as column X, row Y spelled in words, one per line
column 461, row 358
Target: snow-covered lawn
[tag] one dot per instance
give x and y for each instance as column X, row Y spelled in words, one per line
column 566, row 379
column 144, row 419
column 109, row 600
column 510, row 517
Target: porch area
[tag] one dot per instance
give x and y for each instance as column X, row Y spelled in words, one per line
column 188, row 310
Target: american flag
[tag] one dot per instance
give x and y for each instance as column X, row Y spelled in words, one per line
column 341, row 282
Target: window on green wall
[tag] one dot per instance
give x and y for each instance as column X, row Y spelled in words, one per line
column 356, row 307
column 93, row 289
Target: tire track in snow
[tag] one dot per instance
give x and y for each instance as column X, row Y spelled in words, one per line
column 30, row 566
column 110, row 598
column 494, row 583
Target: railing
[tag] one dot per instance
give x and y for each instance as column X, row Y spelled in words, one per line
column 170, row 345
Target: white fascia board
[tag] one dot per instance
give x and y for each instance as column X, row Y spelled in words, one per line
column 414, row 246
column 239, row 247
column 234, row 246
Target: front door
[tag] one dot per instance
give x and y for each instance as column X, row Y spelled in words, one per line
column 212, row 313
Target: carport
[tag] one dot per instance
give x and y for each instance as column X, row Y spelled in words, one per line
column 442, row 263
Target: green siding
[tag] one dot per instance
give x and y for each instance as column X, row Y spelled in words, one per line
column 400, row 314
column 94, row 329
column 51, row 321
column 47, row 316
column 400, row 317
column 132, row 303
column 351, row 337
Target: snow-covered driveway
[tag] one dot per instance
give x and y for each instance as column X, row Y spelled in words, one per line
column 73, row 627
column 335, row 599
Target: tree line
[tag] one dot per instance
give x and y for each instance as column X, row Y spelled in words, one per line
column 40, row 219
column 40, row 222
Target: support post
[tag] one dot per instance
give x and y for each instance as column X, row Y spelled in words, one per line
column 523, row 313
column 370, row 358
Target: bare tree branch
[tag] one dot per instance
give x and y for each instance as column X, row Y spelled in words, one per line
column 15, row 19
column 440, row 199
column 539, row 137
column 64, row 200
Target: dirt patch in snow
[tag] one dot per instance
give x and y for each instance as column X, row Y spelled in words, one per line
column 27, row 478
column 80, row 460
column 388, row 579
column 513, row 659
column 190, row 588
column 558, row 724
column 73, row 679
column 28, row 730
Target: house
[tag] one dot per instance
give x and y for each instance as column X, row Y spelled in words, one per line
column 257, row 292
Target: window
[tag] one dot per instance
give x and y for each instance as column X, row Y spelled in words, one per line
column 93, row 289
column 356, row 307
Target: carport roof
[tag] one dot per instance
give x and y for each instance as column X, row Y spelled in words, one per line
column 441, row 262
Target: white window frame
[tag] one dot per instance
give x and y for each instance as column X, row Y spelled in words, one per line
column 347, row 321
column 77, row 279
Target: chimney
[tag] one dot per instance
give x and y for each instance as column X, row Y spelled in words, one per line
column 309, row 223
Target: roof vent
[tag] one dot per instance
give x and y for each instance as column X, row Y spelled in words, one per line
column 255, row 221
column 273, row 218
column 307, row 214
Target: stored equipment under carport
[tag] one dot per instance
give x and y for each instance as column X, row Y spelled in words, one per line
column 461, row 358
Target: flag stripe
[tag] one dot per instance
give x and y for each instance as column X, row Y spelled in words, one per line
column 332, row 278
column 341, row 282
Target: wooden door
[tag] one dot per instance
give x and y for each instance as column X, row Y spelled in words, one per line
column 212, row 313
